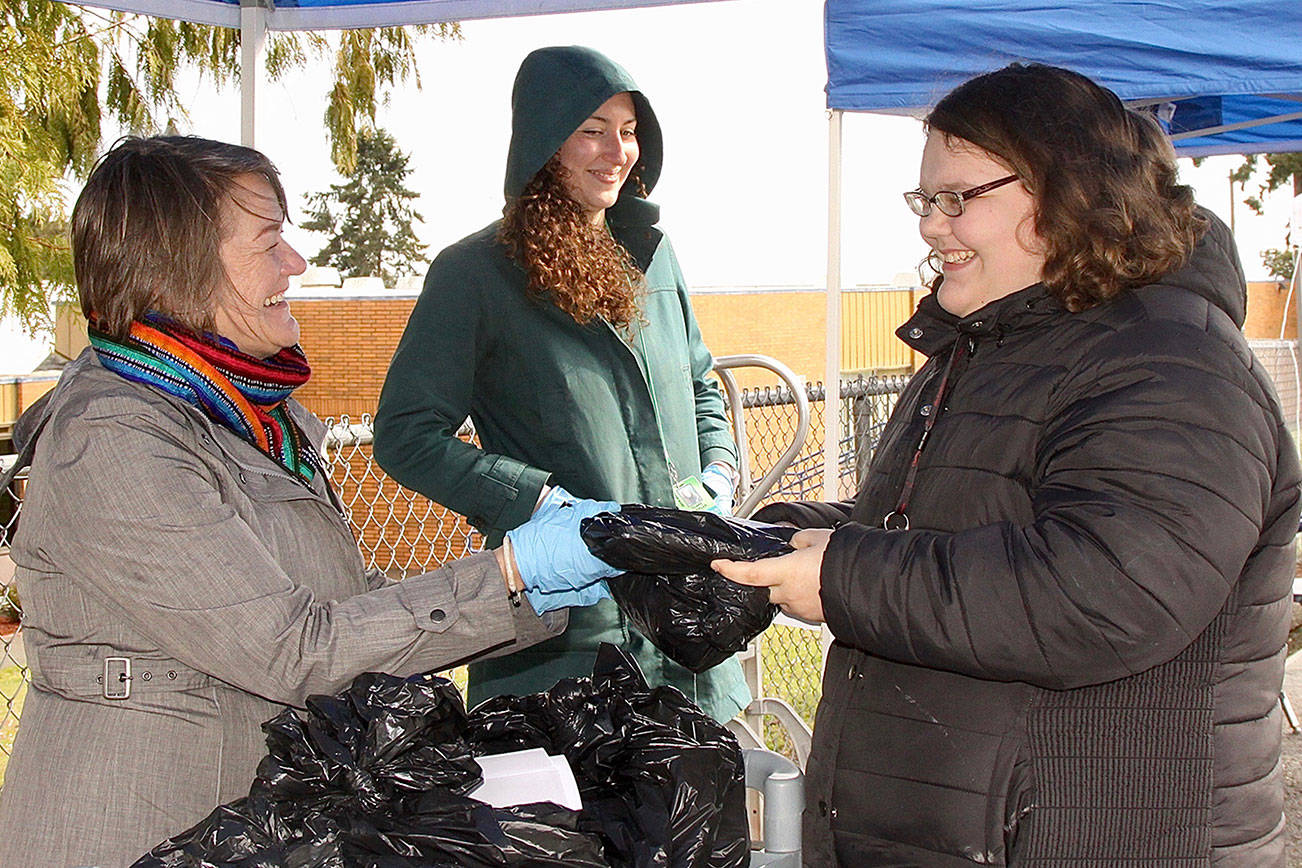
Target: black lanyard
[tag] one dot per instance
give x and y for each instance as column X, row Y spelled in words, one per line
column 898, row 518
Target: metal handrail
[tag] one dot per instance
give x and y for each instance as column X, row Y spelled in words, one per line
column 752, row 493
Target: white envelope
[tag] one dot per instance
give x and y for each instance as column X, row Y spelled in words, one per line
column 526, row 776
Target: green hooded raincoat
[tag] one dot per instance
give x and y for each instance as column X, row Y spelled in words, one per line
column 554, row 401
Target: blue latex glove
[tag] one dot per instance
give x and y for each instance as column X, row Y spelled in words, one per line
column 554, row 497
column 717, row 479
column 546, row 601
column 556, row 567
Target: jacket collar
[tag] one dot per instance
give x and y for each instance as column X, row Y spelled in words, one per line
column 932, row 328
column 1213, row 271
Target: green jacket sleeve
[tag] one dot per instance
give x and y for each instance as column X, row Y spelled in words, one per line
column 712, row 430
column 427, row 394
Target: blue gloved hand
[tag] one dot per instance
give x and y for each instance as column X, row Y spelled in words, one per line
column 546, row 601
column 554, row 497
column 717, row 479
column 556, row 567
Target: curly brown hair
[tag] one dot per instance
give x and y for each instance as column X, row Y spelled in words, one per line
column 1108, row 203
column 579, row 266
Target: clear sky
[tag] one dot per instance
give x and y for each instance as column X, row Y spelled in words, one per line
column 738, row 88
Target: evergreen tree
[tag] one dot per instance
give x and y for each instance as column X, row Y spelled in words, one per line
column 369, row 217
column 67, row 72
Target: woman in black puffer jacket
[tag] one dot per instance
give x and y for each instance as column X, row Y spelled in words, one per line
column 1061, row 598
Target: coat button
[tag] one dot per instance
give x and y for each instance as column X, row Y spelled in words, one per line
column 915, row 333
column 437, row 615
column 822, row 808
column 924, row 410
column 832, row 813
column 978, row 324
column 854, row 671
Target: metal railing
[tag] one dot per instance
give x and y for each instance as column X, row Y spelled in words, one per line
column 403, row 533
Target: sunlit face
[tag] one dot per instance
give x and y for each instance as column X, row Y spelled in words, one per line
column 992, row 249
column 252, row 312
column 599, row 155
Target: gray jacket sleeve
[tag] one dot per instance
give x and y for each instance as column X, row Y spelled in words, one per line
column 155, row 538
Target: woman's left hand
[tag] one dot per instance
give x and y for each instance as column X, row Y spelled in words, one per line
column 794, row 580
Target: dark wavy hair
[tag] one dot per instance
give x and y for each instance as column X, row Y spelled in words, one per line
column 1108, row 204
column 579, row 266
column 147, row 228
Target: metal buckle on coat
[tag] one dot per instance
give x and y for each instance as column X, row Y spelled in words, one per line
column 895, row 521
column 117, row 677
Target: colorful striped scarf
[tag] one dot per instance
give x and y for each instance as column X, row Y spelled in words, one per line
column 243, row 393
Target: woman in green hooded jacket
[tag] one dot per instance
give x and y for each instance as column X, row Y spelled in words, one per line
column 565, row 332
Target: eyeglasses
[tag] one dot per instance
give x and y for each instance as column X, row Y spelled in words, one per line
column 948, row 201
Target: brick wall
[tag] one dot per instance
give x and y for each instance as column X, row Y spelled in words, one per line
column 1266, row 300
column 350, row 341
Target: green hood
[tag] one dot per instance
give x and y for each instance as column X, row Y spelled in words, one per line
column 557, row 89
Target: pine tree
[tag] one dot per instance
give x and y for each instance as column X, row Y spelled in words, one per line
column 369, row 217
column 67, row 72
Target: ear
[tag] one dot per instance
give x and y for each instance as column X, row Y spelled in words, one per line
column 1029, row 238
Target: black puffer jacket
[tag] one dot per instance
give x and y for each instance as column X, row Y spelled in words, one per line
column 1077, row 650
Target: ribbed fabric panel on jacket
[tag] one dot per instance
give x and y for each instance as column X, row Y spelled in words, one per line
column 1153, row 733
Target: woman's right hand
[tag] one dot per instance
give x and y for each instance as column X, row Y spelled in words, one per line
column 556, row 567
column 794, row 580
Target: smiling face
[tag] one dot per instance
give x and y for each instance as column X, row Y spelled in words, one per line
column 252, row 312
column 992, row 249
column 599, row 155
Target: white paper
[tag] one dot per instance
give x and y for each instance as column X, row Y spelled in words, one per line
column 526, row 776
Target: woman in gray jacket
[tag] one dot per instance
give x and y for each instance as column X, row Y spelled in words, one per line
column 185, row 569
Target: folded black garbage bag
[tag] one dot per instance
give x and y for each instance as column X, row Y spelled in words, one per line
column 691, row 613
column 377, row 775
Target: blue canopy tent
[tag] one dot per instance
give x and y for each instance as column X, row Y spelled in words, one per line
column 1224, row 76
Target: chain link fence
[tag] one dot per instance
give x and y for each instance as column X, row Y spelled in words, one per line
column 13, row 664
column 404, row 533
column 1279, row 359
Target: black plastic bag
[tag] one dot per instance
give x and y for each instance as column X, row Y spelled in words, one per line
column 691, row 613
column 662, row 782
column 377, row 776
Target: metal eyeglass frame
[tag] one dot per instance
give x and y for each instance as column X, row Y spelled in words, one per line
column 920, row 203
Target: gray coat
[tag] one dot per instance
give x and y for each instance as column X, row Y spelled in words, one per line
column 153, row 536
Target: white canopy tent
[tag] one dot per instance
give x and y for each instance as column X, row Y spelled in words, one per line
column 255, row 17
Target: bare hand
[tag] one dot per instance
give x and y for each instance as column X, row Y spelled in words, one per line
column 794, row 580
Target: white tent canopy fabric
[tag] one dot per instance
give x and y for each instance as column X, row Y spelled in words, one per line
column 255, row 17
column 343, row 14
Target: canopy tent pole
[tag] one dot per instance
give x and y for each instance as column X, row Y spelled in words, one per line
column 1295, row 281
column 253, row 36
column 832, row 373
